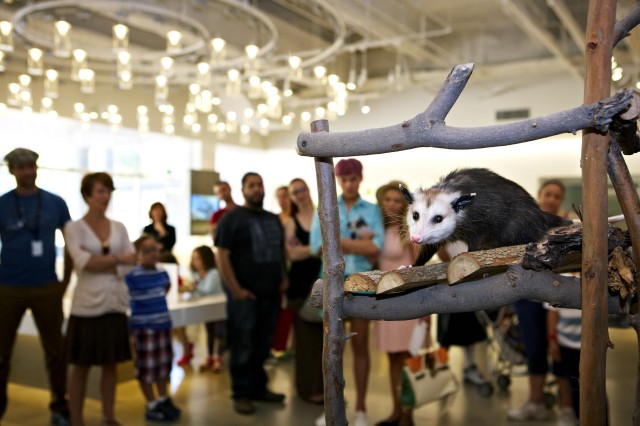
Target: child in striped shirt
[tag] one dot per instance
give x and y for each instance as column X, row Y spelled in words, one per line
column 150, row 327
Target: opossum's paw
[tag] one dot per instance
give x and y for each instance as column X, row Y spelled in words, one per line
column 405, row 266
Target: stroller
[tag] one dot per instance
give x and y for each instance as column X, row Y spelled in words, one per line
column 507, row 357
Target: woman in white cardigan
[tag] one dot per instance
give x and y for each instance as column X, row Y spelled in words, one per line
column 97, row 333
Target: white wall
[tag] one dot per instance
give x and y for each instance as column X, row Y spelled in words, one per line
column 525, row 163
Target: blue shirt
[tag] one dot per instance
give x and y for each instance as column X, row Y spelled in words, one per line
column 362, row 215
column 23, row 220
column 147, row 299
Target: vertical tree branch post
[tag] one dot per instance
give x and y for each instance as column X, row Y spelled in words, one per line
column 600, row 21
column 634, row 321
column 627, row 196
column 333, row 294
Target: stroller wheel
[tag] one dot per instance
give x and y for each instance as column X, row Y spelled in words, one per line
column 503, row 382
column 549, row 400
column 485, row 389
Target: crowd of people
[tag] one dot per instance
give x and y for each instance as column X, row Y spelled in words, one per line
column 119, row 310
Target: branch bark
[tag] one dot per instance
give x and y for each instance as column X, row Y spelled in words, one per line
column 334, row 337
column 488, row 293
column 469, row 265
column 428, row 131
column 599, row 47
column 627, row 196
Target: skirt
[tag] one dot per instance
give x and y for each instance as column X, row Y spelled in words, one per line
column 98, row 340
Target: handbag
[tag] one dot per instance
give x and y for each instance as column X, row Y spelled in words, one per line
column 426, row 378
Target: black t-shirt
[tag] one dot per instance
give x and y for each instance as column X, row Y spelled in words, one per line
column 255, row 240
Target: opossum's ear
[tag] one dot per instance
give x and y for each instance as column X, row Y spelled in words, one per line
column 462, row 201
column 407, row 195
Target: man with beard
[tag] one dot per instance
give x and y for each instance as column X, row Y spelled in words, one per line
column 250, row 257
column 29, row 217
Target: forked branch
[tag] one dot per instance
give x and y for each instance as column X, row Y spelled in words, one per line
column 428, row 128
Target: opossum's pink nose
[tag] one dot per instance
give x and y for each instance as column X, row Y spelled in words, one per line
column 415, row 238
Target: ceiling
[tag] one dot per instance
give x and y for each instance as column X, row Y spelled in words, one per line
column 383, row 45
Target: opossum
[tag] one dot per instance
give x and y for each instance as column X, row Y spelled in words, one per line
column 477, row 207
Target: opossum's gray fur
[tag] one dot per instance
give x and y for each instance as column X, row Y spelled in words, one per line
column 500, row 214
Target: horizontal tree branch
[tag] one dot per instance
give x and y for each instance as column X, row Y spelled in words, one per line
column 425, row 131
column 488, row 293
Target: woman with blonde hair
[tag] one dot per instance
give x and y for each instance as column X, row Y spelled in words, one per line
column 393, row 337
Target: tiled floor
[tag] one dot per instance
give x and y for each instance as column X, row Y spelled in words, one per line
column 204, row 397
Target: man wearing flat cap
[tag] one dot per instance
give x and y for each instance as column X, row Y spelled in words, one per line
column 29, row 217
column 361, row 239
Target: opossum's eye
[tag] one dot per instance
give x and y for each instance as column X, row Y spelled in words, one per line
column 437, row 218
column 416, row 215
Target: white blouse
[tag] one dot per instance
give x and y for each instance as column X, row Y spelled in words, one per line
column 97, row 293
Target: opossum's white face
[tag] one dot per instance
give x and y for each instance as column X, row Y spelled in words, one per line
column 431, row 217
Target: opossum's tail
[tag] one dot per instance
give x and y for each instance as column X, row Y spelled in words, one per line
column 554, row 221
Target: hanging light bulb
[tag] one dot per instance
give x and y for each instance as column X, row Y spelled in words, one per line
column 62, row 39
column 174, row 41
column 51, row 83
column 2, row 63
column 13, row 95
column 286, row 121
column 233, row 82
column 161, row 90
column 166, row 66
column 319, row 71
column 252, row 64
column 120, row 37
column 351, row 80
column 204, row 74
column 125, row 80
column 218, row 51
column 6, row 36
column 124, row 62
column 245, row 136
column 294, row 67
column 212, row 122
column 231, row 123
column 78, row 62
column 34, row 61
column 25, row 82
column 286, row 88
column 87, row 80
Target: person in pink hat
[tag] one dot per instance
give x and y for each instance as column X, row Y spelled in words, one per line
column 361, row 240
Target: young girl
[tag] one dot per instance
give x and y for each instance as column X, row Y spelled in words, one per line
column 150, row 326
column 207, row 282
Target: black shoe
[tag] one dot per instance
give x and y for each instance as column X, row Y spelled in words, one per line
column 244, row 406
column 269, row 396
column 171, row 410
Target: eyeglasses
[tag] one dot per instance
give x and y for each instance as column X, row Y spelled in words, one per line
column 299, row 191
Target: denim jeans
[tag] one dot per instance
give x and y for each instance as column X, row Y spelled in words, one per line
column 45, row 302
column 251, row 326
column 532, row 321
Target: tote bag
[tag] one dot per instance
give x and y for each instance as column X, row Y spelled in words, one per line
column 426, row 379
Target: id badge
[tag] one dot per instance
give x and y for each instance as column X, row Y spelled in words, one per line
column 36, row 248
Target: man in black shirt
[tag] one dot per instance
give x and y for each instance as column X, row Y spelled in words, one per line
column 250, row 252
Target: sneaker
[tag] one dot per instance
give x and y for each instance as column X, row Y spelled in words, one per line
column 244, row 406
column 157, row 413
column 529, row 411
column 171, row 410
column 473, row 376
column 59, row 419
column 321, row 421
column 269, row 396
column 360, row 419
column 566, row 417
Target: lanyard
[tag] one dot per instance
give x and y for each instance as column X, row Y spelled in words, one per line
column 22, row 219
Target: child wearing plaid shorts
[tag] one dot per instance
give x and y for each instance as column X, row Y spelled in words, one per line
column 150, row 326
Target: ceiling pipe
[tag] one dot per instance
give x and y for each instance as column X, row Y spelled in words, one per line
column 521, row 18
column 565, row 16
